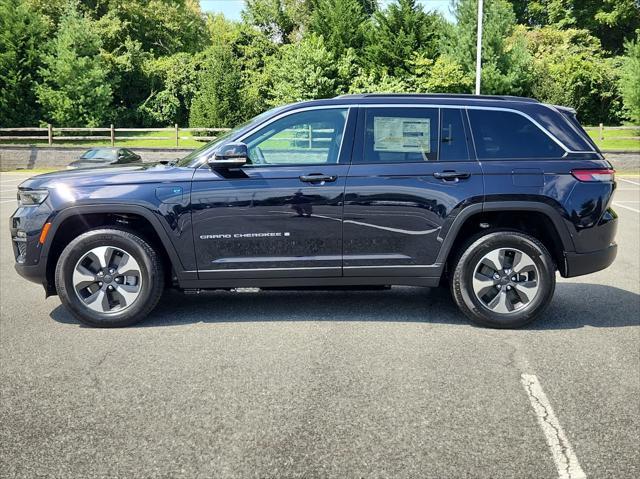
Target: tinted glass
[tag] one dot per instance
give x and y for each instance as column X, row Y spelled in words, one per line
column 453, row 141
column 503, row 134
column 304, row 138
column 99, row 154
column 400, row 135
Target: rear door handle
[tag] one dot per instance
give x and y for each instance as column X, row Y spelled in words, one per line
column 318, row 178
column 451, row 175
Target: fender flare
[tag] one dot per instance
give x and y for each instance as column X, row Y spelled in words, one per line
column 547, row 210
column 113, row 208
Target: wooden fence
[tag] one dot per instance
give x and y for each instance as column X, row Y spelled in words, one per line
column 601, row 129
column 49, row 133
column 50, row 137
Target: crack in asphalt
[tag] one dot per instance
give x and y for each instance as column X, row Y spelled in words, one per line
column 91, row 372
column 566, row 461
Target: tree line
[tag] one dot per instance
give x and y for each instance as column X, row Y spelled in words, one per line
column 159, row 62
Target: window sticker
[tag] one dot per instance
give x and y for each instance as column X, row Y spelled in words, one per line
column 407, row 135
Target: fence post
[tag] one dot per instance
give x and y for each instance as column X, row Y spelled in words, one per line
column 177, row 135
column 50, row 133
column 310, row 136
column 113, row 136
column 601, row 128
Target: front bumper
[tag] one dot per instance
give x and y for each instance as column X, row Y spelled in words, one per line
column 578, row 264
column 25, row 226
column 33, row 273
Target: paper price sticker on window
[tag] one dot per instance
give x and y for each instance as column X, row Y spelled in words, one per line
column 408, row 135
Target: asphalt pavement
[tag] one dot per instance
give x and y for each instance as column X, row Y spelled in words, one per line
column 325, row 384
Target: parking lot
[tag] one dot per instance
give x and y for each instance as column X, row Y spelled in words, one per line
column 336, row 384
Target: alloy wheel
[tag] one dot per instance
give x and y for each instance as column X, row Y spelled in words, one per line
column 107, row 279
column 506, row 280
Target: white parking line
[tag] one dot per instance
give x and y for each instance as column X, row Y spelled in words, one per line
column 618, row 205
column 628, row 181
column 9, row 201
column 562, row 452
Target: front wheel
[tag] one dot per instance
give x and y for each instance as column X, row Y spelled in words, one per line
column 503, row 279
column 109, row 278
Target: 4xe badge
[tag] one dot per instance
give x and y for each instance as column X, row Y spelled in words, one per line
column 245, row 235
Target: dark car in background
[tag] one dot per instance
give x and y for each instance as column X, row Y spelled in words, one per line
column 95, row 157
column 487, row 195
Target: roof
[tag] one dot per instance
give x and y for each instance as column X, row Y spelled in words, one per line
column 433, row 96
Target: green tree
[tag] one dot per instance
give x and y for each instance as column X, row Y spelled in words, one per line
column 506, row 63
column 569, row 70
column 131, row 84
column 303, row 71
column 174, row 84
column 21, row 33
column 340, row 23
column 612, row 21
column 280, row 20
column 218, row 101
column 75, row 90
column 135, row 34
column 379, row 82
column 255, row 51
column 399, row 31
column 630, row 80
column 163, row 27
column 445, row 75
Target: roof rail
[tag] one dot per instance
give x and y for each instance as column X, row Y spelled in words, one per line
column 441, row 95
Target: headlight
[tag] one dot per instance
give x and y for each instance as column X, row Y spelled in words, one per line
column 31, row 197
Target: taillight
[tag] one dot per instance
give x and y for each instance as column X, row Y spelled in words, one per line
column 594, row 175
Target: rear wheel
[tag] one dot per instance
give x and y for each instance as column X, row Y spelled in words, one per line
column 109, row 278
column 503, row 279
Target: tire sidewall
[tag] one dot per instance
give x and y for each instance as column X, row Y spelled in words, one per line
column 78, row 248
column 462, row 286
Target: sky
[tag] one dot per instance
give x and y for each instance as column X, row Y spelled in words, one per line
column 232, row 8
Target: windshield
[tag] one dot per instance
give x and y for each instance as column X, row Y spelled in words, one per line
column 98, row 154
column 212, row 145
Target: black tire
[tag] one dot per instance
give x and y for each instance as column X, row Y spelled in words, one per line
column 151, row 277
column 465, row 267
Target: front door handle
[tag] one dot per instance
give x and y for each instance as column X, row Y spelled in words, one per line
column 318, row 178
column 451, row 175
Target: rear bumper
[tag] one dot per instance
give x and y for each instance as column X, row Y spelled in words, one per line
column 578, row 264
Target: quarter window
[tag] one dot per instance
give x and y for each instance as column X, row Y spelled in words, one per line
column 507, row 135
column 305, row 138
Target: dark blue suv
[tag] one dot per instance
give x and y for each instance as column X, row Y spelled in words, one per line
column 487, row 195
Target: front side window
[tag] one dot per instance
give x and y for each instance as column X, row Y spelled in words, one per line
column 305, row 138
column 506, row 135
column 400, row 135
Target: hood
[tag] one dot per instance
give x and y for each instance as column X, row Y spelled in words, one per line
column 110, row 175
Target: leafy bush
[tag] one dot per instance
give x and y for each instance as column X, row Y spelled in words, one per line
column 570, row 70
column 630, row 80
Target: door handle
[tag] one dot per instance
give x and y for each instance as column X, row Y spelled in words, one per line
column 318, row 178
column 451, row 175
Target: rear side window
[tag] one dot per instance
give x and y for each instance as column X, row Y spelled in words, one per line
column 507, row 135
column 400, row 135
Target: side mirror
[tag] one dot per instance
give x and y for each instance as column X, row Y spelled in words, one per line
column 231, row 155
